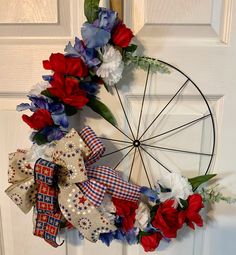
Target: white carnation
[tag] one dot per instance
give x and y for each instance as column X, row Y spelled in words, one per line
column 40, row 151
column 142, row 216
column 179, row 186
column 39, row 87
column 112, row 65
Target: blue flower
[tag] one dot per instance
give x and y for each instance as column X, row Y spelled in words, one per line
column 151, row 194
column 56, row 109
column 106, row 238
column 91, row 88
column 131, row 236
column 89, row 55
column 93, row 36
column 106, row 19
column 52, row 133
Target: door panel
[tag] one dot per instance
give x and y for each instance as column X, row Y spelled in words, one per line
column 196, row 36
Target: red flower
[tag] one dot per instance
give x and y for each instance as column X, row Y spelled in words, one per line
column 166, row 219
column 66, row 65
column 191, row 214
column 122, row 35
column 150, row 242
column 126, row 209
column 40, row 119
column 68, row 90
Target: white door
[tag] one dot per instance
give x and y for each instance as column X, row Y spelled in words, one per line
column 197, row 36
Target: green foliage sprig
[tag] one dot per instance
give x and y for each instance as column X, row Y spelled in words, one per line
column 213, row 195
column 144, row 62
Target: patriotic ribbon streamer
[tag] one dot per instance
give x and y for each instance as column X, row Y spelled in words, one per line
column 81, row 186
column 48, row 214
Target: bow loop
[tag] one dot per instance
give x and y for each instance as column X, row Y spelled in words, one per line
column 19, row 169
column 69, row 153
column 20, row 174
column 94, row 190
column 94, row 143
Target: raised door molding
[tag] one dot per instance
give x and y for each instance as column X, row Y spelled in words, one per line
column 189, row 22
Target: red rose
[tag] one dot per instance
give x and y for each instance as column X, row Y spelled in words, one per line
column 191, row 214
column 166, row 219
column 126, row 209
column 40, row 119
column 66, row 65
column 68, row 90
column 122, row 35
column 150, row 242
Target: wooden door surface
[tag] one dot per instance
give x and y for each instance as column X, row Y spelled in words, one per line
column 196, row 36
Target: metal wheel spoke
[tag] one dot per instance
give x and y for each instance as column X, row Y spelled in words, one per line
column 115, row 140
column 145, row 169
column 110, row 153
column 179, row 127
column 122, row 106
column 144, row 95
column 122, row 132
column 123, row 157
column 131, row 169
column 158, row 115
column 155, row 159
column 177, row 150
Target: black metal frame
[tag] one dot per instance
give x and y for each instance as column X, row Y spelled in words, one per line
column 136, row 142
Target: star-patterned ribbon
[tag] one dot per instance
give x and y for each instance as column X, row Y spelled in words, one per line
column 81, row 186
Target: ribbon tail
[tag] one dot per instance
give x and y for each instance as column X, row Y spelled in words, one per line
column 23, row 194
column 47, row 227
column 82, row 214
column 94, row 191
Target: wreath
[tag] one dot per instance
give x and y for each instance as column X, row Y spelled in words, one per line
column 57, row 176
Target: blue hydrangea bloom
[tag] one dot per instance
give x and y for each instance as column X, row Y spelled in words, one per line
column 89, row 55
column 106, row 238
column 106, row 19
column 91, row 88
column 151, row 194
column 56, row 109
column 94, row 37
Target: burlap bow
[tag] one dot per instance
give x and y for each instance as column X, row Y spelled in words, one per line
column 81, row 186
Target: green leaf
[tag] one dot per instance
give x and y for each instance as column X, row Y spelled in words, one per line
column 47, row 93
column 131, row 48
column 153, row 211
column 197, row 181
column 91, row 10
column 184, row 204
column 100, row 108
column 70, row 110
column 106, row 87
column 39, row 138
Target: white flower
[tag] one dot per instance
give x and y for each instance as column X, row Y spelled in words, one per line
column 40, row 151
column 39, row 87
column 107, row 208
column 142, row 216
column 112, row 65
column 179, row 187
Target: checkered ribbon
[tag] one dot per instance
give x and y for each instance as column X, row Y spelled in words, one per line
column 108, row 177
column 48, row 214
